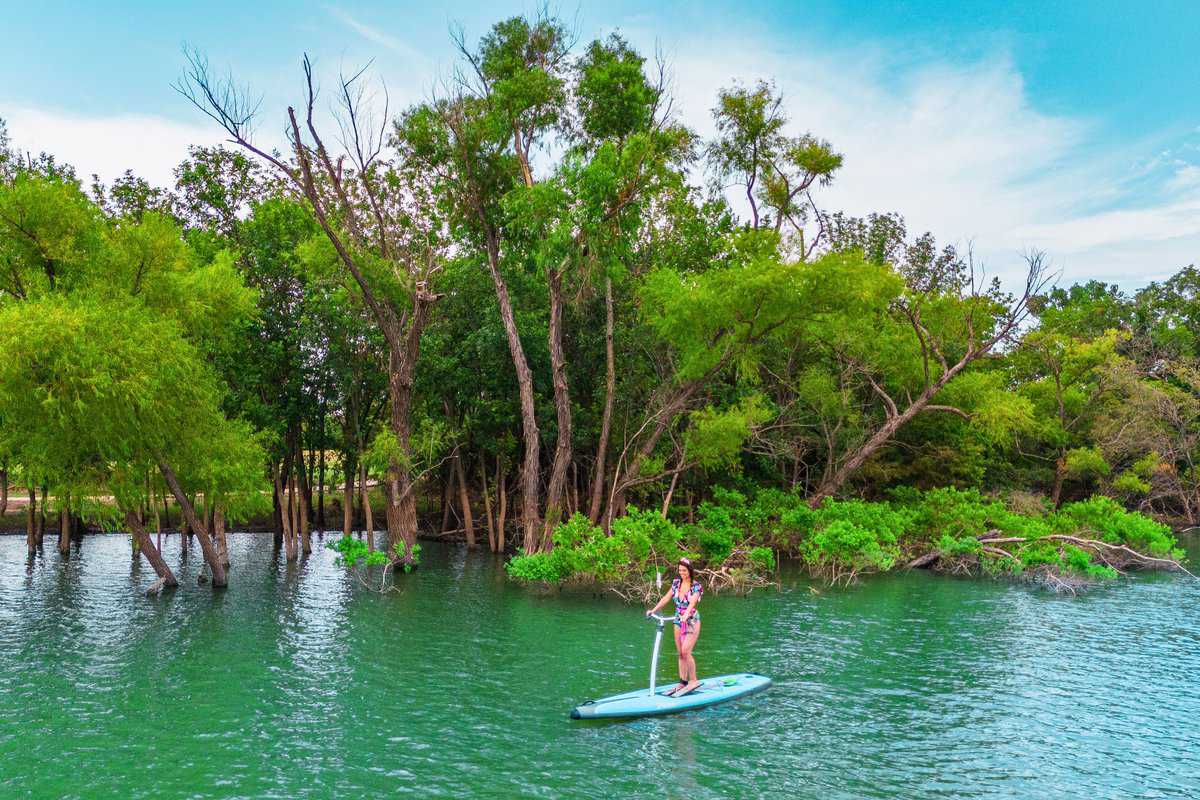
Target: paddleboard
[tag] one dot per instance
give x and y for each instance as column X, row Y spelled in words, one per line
column 640, row 703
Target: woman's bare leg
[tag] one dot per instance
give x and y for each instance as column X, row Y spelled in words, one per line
column 687, row 662
column 683, row 678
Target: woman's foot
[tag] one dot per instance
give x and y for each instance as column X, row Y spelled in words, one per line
column 687, row 689
column 675, row 689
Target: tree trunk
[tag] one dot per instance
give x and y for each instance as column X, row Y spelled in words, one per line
column 189, row 513
column 502, row 501
column 41, row 525
column 562, row 411
column 487, row 506
column 291, row 510
column 3, row 491
column 285, row 514
column 610, row 385
column 447, row 490
column 308, row 475
column 31, row 520
column 885, row 433
column 368, row 514
column 465, row 501
column 1060, row 473
column 347, row 500
column 530, row 468
column 304, row 508
column 663, row 413
column 321, row 475
column 398, row 489
column 144, row 545
column 185, row 533
column 64, row 532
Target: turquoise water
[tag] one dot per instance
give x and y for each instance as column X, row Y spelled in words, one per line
column 297, row 683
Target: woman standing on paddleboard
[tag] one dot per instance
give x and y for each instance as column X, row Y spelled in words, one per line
column 685, row 591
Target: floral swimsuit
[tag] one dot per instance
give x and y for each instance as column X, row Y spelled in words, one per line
column 681, row 604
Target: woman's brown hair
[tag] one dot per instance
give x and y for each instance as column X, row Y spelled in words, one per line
column 685, row 562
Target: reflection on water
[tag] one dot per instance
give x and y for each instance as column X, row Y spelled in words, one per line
column 295, row 682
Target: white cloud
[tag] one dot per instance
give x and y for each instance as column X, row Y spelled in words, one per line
column 107, row 146
column 957, row 147
column 960, row 149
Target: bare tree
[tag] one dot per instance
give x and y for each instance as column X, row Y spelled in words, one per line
column 364, row 219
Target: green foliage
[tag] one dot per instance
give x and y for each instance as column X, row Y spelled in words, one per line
column 1103, row 518
column 1086, row 462
column 841, row 546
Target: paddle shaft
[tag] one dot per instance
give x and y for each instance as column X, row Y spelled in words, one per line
column 654, row 658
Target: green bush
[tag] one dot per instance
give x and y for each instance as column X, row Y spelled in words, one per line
column 763, row 558
column 842, row 547
column 1104, row 519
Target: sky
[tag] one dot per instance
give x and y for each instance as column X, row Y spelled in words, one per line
column 1067, row 127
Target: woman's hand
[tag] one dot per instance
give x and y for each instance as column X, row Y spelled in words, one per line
column 649, row 611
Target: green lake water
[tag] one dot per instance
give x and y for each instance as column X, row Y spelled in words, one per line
column 297, row 683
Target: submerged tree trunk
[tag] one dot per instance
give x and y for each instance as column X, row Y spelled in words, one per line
column 291, row 533
column 304, row 495
column 562, row 410
column 144, row 545
column 41, row 524
column 610, row 384
column 189, row 513
column 31, row 520
column 285, row 514
column 64, row 532
column 464, row 500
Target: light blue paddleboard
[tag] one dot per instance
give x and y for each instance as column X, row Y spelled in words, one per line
column 640, row 703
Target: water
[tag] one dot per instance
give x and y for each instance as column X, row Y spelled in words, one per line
column 296, row 683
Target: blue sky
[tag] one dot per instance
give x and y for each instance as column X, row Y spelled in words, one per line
column 1072, row 127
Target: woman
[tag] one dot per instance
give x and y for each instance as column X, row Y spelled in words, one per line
column 686, row 594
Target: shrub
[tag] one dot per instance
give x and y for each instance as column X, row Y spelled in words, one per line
column 842, row 549
column 1103, row 518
